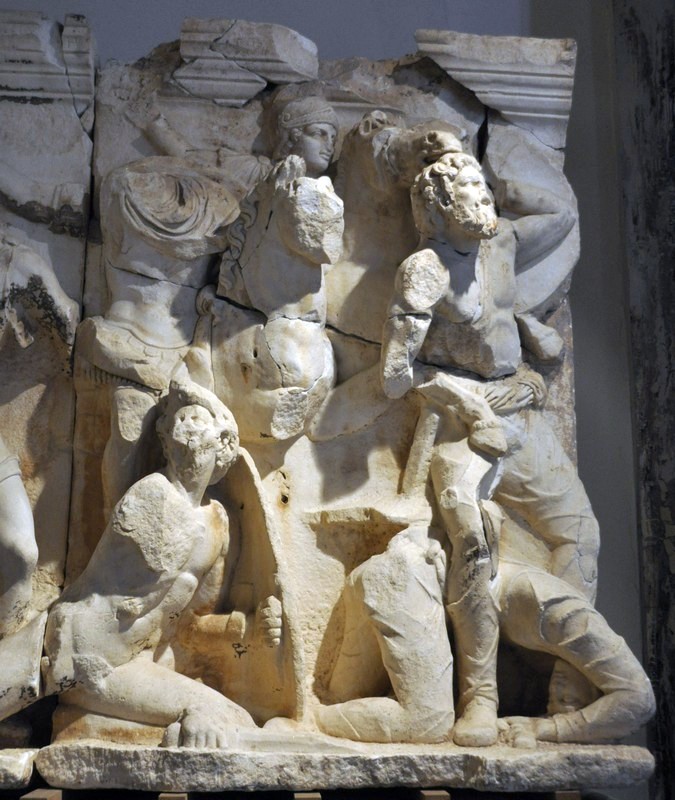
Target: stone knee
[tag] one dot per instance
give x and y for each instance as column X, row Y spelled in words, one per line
column 572, row 623
column 384, row 719
column 581, row 636
column 401, row 595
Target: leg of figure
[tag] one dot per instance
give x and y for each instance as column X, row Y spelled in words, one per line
column 359, row 654
column 18, row 554
column 461, row 478
column 143, row 691
column 541, row 484
column 401, row 592
column 541, row 612
column 132, row 419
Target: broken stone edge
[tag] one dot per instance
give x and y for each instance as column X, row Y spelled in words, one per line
column 16, row 767
column 548, row 768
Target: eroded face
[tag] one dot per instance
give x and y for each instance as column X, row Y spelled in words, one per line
column 315, row 143
column 192, row 443
column 472, row 206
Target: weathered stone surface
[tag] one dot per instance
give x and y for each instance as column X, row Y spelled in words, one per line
column 44, row 188
column 361, row 276
column 16, row 768
column 36, row 61
column 494, row 769
column 230, row 61
column 528, row 80
column 80, row 59
column 20, row 655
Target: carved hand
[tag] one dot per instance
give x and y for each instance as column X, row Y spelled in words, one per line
column 526, row 389
column 269, row 620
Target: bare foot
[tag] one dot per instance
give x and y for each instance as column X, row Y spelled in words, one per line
column 525, row 732
column 477, row 727
column 199, row 730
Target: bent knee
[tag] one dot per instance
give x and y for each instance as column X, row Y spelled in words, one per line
column 19, row 555
column 643, row 703
column 638, row 702
column 572, row 622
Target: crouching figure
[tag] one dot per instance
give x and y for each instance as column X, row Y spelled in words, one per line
column 109, row 636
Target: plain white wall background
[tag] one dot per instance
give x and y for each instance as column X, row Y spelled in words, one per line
column 128, row 29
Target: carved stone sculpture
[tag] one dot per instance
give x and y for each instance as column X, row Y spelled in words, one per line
column 31, row 302
column 360, row 271
column 276, row 373
column 453, row 306
column 108, row 645
column 30, row 296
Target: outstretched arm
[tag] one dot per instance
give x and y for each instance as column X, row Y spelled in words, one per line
column 544, row 218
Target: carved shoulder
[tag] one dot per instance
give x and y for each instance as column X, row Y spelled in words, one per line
column 421, row 281
column 153, row 516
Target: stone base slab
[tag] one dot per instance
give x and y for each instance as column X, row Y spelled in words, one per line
column 16, row 767
column 548, row 768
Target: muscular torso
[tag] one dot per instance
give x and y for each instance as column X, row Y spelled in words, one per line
column 473, row 326
column 150, row 561
column 160, row 313
column 282, row 284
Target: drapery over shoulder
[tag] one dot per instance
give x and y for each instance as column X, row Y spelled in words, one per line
column 177, row 209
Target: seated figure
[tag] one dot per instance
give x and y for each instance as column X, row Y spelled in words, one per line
column 108, row 640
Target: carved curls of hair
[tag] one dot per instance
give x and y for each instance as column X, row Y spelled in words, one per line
column 184, row 393
column 428, row 184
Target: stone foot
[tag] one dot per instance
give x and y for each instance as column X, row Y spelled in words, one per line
column 477, row 727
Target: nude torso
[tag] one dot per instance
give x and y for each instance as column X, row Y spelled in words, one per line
column 151, row 559
column 158, row 312
column 473, row 326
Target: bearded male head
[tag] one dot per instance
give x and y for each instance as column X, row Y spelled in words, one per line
column 451, row 196
column 197, row 431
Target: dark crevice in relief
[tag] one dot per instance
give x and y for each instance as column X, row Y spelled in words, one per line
column 353, row 336
column 60, row 220
column 33, row 101
column 482, row 138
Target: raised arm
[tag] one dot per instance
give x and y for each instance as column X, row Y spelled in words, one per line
column 544, row 219
column 421, row 281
